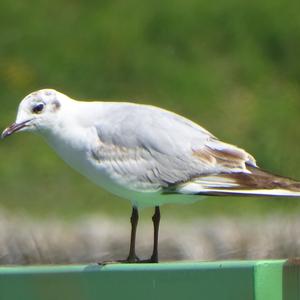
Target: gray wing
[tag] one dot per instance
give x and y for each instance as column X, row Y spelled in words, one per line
column 147, row 148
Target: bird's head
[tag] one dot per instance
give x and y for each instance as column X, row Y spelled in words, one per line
column 37, row 111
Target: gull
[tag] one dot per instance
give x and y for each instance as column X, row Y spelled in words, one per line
column 145, row 154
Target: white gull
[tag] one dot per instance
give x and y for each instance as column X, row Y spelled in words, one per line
column 145, row 154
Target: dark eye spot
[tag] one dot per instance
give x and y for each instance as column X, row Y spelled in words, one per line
column 38, row 108
column 56, row 105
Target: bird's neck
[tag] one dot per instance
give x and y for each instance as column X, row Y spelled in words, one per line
column 73, row 129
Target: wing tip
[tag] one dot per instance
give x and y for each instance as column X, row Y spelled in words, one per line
column 239, row 192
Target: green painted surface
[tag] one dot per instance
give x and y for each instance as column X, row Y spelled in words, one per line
column 237, row 280
column 268, row 280
column 291, row 280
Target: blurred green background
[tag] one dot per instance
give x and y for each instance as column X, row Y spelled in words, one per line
column 232, row 66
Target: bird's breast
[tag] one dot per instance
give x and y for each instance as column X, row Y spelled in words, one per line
column 77, row 151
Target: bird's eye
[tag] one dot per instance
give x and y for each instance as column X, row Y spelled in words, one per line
column 38, row 108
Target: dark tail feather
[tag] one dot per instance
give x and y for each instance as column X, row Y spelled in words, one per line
column 256, row 183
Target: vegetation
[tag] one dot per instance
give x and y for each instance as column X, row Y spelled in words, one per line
column 232, row 66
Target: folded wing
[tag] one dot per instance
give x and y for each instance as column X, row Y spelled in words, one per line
column 149, row 149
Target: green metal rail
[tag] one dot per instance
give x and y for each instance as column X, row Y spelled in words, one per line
column 228, row 280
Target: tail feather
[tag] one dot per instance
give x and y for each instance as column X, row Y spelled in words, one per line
column 255, row 183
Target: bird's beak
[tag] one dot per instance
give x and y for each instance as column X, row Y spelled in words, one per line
column 13, row 128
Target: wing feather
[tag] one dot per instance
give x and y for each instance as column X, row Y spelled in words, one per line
column 256, row 182
column 225, row 156
column 147, row 148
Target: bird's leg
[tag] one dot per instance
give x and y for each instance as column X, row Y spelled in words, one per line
column 156, row 220
column 132, row 257
column 134, row 222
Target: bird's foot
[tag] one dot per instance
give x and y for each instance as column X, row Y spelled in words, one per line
column 152, row 260
column 131, row 260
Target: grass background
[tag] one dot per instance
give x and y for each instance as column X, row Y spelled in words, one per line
column 232, row 66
